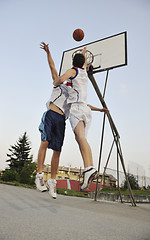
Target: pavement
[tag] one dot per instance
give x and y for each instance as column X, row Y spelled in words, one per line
column 26, row 214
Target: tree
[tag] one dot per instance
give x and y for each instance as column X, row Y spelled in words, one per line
column 19, row 154
column 21, row 167
column 133, row 182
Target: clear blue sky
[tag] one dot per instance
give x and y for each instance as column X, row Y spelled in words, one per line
column 25, row 81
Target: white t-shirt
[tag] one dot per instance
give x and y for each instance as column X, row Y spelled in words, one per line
column 59, row 97
column 77, row 87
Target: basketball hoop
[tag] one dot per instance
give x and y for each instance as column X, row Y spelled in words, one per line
column 89, row 56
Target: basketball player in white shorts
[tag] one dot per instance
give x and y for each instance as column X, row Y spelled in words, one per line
column 52, row 130
column 80, row 112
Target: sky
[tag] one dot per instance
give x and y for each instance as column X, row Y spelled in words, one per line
column 26, row 84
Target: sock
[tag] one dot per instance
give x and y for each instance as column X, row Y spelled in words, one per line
column 40, row 174
column 53, row 180
column 88, row 168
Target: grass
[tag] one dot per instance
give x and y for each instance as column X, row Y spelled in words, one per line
column 62, row 191
column 14, row 183
column 125, row 191
column 69, row 192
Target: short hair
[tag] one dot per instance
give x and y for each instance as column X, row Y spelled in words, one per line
column 78, row 60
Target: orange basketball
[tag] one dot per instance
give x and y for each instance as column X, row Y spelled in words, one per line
column 78, row 34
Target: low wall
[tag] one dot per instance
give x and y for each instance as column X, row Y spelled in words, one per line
column 126, row 198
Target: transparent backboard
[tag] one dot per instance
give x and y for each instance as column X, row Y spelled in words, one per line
column 108, row 53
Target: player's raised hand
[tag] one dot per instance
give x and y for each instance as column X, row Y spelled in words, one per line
column 44, row 46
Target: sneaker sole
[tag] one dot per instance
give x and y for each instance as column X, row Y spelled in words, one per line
column 92, row 177
column 44, row 190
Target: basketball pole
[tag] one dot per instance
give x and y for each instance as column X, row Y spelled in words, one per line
column 103, row 176
column 114, row 132
column 102, row 137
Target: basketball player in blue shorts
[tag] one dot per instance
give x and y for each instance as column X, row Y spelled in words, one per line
column 80, row 111
column 52, row 130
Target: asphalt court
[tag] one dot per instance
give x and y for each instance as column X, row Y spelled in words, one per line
column 29, row 214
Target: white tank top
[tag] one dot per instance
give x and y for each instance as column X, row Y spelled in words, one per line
column 59, row 98
column 77, row 86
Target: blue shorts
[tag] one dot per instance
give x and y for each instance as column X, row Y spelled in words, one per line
column 52, row 129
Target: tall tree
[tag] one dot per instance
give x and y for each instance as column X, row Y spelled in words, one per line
column 133, row 182
column 20, row 153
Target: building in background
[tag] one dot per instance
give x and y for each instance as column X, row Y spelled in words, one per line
column 74, row 175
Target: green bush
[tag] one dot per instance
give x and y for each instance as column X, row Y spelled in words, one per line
column 27, row 174
column 10, row 175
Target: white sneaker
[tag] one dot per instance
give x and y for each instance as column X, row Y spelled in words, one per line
column 88, row 176
column 51, row 184
column 39, row 181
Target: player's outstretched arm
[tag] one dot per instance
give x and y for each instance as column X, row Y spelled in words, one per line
column 105, row 110
column 68, row 74
column 50, row 60
column 84, row 54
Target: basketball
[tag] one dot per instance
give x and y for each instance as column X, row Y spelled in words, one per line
column 78, row 34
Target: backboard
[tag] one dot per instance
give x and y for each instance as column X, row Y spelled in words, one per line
column 108, row 53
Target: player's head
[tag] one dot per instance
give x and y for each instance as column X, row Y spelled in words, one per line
column 78, row 60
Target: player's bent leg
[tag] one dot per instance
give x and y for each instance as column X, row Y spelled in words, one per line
column 51, row 183
column 41, row 155
column 55, row 163
column 83, row 144
column 90, row 172
column 39, row 180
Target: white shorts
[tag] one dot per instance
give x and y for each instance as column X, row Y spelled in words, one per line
column 80, row 112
